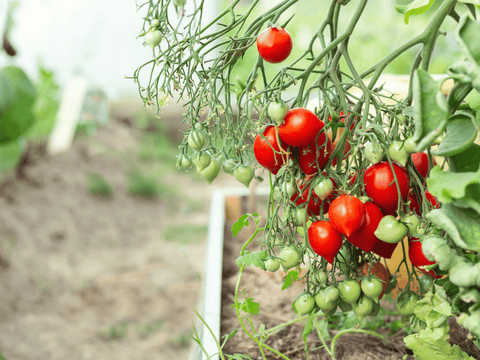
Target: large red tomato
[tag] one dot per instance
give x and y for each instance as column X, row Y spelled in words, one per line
column 346, row 214
column 311, row 155
column 274, row 44
column 364, row 238
column 381, row 187
column 417, row 257
column 265, row 155
column 324, row 239
column 300, row 127
column 384, row 249
column 420, row 160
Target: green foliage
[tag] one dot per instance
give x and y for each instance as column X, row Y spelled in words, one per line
column 461, row 132
column 98, row 186
column 289, row 279
column 248, row 306
column 186, row 233
column 241, row 222
column 254, row 258
column 416, row 7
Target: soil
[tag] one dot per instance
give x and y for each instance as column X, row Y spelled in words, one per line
column 85, row 277
column 276, row 308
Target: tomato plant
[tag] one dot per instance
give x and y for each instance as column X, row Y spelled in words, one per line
column 342, row 163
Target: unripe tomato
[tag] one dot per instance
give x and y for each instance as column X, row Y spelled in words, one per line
column 405, row 302
column 410, row 145
column 289, row 257
column 272, row 264
column 373, row 152
column 300, row 127
column 153, row 38
column 420, row 160
column 202, row 160
column 228, row 166
column 398, row 153
column 390, row 230
column 321, row 277
column 304, row 304
column 372, row 287
column 327, row 298
column 425, row 282
column 324, row 239
column 267, row 151
column 381, row 187
column 196, row 140
column 314, row 204
column 364, row 238
column 211, row 171
column 324, row 188
column 184, row 162
column 244, row 174
column 346, row 214
column 363, row 307
column 179, row 3
column 277, row 111
column 299, row 216
column 274, row 44
column 377, row 269
column 350, row 291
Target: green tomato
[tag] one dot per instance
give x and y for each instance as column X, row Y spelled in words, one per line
column 277, row 111
column 179, row 3
column 202, row 160
column 211, row 171
column 288, row 188
column 289, row 257
column 244, row 174
column 228, row 166
column 425, row 282
column 304, row 304
column 405, row 302
column 376, row 309
column 390, row 230
column 272, row 264
column 363, row 307
column 321, row 277
column 327, row 298
column 410, row 145
column 184, row 162
column 398, row 153
column 196, row 140
column 373, row 152
column 413, row 224
column 299, row 216
column 372, row 287
column 155, row 23
column 153, row 38
column 350, row 291
column 343, row 258
column 324, row 188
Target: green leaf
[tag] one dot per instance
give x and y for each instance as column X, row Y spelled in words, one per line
column 256, row 259
column 238, row 357
column 466, row 34
column 18, row 96
column 241, row 222
column 462, row 225
column 289, row 279
column 461, row 132
column 229, row 336
column 429, row 110
column 11, row 154
column 249, row 306
column 467, row 161
column 308, row 327
column 471, row 198
column 448, row 186
column 416, row 7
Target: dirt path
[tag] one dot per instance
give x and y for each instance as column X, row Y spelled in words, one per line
column 83, row 277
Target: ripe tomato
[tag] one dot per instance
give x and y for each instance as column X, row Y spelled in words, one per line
column 420, row 160
column 380, row 185
column 340, row 131
column 300, row 127
column 377, row 269
column 384, row 249
column 346, row 214
column 265, row 155
column 324, row 239
column 311, row 155
column 274, row 44
column 315, row 204
column 418, row 259
column 364, row 238
column 415, row 206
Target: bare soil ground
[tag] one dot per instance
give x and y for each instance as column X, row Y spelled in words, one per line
column 85, row 277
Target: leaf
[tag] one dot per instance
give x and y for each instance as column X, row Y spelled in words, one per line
column 462, row 225
column 238, row 357
column 289, row 279
column 448, row 186
column 467, row 161
column 308, row 327
column 249, row 306
column 466, row 34
column 460, row 135
column 471, row 198
column 416, row 7
column 16, row 115
column 11, row 154
column 241, row 222
column 429, row 115
column 256, row 259
column 229, row 336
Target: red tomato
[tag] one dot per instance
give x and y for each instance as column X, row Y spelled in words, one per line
column 364, row 238
column 377, row 269
column 415, row 206
column 265, row 155
column 384, row 249
column 274, row 44
column 300, row 127
column 420, row 160
column 324, row 239
column 381, row 187
column 310, row 155
column 315, row 203
column 339, row 134
column 417, row 257
column 346, row 214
